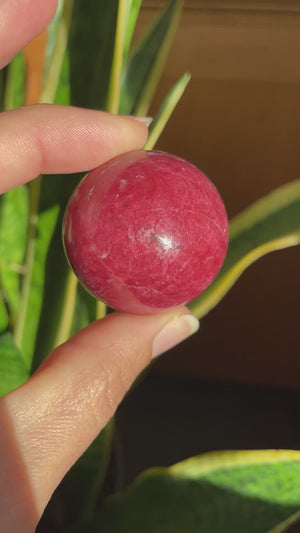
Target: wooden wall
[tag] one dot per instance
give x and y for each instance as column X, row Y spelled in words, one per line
column 239, row 121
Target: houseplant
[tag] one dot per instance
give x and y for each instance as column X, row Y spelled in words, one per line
column 88, row 63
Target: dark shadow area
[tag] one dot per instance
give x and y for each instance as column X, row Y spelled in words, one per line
column 167, row 419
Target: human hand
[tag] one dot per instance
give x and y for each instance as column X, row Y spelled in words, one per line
column 48, row 422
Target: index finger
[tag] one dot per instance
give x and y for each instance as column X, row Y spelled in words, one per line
column 53, row 139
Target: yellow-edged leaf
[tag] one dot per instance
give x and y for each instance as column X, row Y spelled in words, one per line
column 166, row 111
column 248, row 491
column 145, row 66
column 270, row 224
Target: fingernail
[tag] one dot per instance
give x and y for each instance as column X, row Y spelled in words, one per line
column 175, row 331
column 145, row 120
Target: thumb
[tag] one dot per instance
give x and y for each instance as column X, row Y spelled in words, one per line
column 56, row 415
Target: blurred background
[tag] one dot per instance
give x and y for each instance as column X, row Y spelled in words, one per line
column 239, row 121
column 234, row 385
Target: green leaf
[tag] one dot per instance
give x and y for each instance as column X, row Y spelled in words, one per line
column 2, row 84
column 88, row 60
column 84, row 481
column 166, row 111
column 85, row 309
column 251, row 491
column 13, row 233
column 147, row 61
column 78, row 309
column 52, row 31
column 12, row 369
column 55, row 193
column 56, row 77
column 63, row 92
column 3, row 315
column 126, row 18
column 54, row 190
column 33, row 290
column 132, row 11
column 114, row 90
column 43, row 220
column 91, row 45
column 271, row 223
column 15, row 82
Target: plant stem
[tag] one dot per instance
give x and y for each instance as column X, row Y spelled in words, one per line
column 3, row 313
column 117, row 64
column 14, row 83
column 141, row 109
column 101, row 309
column 8, row 95
column 113, row 100
column 52, row 80
column 67, row 314
column 166, row 111
column 34, row 195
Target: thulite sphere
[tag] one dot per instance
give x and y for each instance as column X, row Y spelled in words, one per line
column 145, row 232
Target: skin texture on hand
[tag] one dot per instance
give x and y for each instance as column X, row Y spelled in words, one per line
column 48, row 422
column 52, row 139
column 27, row 19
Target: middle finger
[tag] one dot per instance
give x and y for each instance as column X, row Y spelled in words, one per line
column 20, row 22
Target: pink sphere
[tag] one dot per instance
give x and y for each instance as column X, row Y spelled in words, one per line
column 145, row 232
